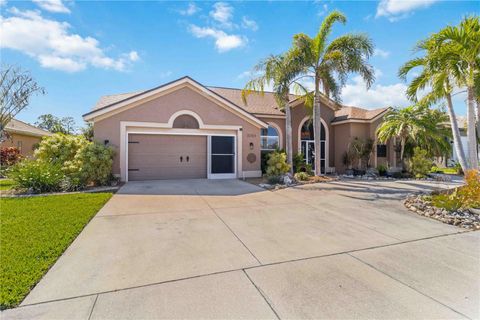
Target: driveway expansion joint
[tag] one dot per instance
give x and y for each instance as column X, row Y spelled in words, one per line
column 244, row 269
column 93, row 307
column 407, row 285
column 264, row 296
column 228, row 227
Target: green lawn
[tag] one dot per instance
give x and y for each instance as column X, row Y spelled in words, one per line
column 6, row 184
column 34, row 232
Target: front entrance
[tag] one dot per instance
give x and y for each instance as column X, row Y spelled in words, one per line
column 307, row 145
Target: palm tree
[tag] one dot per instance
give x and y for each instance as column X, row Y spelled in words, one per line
column 416, row 125
column 281, row 72
column 329, row 63
column 439, row 76
column 462, row 45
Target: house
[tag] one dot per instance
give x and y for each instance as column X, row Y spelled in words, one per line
column 452, row 159
column 23, row 136
column 184, row 129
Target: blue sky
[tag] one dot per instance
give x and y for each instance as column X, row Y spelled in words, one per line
column 81, row 50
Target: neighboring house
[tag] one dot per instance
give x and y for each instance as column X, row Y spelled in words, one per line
column 183, row 129
column 462, row 125
column 23, row 136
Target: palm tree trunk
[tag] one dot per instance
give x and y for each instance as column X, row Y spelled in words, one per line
column 317, row 127
column 457, row 143
column 471, row 135
column 288, row 138
column 402, row 149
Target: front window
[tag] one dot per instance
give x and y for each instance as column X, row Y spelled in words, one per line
column 269, row 139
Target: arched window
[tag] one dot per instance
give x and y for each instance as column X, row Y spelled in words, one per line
column 185, row 121
column 269, row 139
column 307, row 144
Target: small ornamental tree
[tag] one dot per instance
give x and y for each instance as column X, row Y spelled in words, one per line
column 60, row 148
column 9, row 156
column 277, row 164
column 420, row 164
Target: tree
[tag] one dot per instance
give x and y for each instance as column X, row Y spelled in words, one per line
column 461, row 45
column 281, row 72
column 55, row 124
column 437, row 75
column 87, row 131
column 329, row 63
column 16, row 88
column 416, row 125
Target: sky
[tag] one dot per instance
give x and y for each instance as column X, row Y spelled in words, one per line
column 81, row 50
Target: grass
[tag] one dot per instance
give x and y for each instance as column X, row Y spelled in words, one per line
column 35, row 231
column 444, row 170
column 6, row 184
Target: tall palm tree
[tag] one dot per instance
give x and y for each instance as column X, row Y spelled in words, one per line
column 462, row 44
column 437, row 75
column 281, row 72
column 329, row 63
column 416, row 125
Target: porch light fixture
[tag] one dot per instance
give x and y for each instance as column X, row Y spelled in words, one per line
column 251, row 145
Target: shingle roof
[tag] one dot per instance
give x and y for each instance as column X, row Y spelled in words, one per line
column 355, row 113
column 114, row 98
column 257, row 104
column 263, row 104
column 24, row 128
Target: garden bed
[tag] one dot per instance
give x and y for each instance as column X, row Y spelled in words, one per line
column 462, row 218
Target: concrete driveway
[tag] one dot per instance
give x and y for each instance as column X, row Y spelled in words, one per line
column 228, row 249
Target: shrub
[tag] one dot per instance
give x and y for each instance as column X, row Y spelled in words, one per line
column 36, row 176
column 60, row 148
column 420, row 165
column 302, row 176
column 83, row 162
column 9, row 156
column 94, row 163
column 277, row 164
column 467, row 196
column 382, row 170
column 299, row 164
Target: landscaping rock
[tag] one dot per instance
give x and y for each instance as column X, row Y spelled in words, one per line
column 467, row 219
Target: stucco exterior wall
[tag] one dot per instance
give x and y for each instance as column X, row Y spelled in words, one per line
column 160, row 110
column 346, row 132
column 27, row 143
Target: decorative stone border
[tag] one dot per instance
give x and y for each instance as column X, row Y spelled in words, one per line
column 27, row 195
column 460, row 218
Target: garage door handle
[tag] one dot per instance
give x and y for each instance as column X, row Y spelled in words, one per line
column 181, row 159
column 188, row 158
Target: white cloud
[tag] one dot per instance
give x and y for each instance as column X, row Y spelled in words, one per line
column 323, row 10
column 378, row 96
column 381, row 53
column 3, row 3
column 223, row 41
column 52, row 44
column 56, row 6
column 249, row 24
column 395, row 10
column 133, row 56
column 190, row 10
column 223, row 13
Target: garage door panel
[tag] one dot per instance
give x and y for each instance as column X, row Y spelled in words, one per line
column 154, row 157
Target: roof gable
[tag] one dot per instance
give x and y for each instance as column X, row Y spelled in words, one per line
column 110, row 105
column 20, row 127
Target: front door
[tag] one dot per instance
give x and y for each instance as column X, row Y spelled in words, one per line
column 308, row 151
